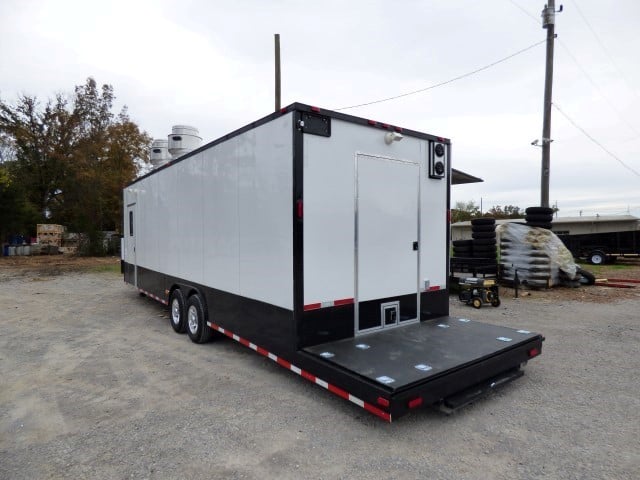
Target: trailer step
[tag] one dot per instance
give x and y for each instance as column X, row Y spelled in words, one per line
column 455, row 402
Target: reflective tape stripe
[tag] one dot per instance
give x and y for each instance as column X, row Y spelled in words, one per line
column 155, row 297
column 330, row 303
column 304, row 374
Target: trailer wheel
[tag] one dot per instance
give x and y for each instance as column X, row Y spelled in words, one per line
column 197, row 328
column 177, row 312
column 597, row 257
column 495, row 302
column 476, row 302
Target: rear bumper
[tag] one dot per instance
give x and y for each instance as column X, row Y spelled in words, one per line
column 456, row 388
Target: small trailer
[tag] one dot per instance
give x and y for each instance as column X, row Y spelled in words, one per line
column 320, row 241
column 603, row 247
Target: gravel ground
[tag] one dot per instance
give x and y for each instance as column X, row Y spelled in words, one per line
column 95, row 384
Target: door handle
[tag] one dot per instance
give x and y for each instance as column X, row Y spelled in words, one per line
column 415, row 246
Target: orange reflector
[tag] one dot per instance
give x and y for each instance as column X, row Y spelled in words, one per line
column 415, row 403
column 534, row 352
column 383, row 402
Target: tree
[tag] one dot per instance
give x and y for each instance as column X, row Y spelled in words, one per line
column 509, row 211
column 72, row 156
column 464, row 211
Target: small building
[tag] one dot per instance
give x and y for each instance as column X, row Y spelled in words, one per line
column 566, row 225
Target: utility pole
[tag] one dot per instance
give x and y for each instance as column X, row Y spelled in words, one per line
column 277, row 59
column 548, row 22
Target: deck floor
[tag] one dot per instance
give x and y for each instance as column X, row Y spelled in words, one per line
column 398, row 357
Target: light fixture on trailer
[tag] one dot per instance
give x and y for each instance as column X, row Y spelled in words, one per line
column 391, row 137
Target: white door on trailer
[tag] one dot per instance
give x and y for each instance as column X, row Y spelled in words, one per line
column 387, row 230
column 130, row 241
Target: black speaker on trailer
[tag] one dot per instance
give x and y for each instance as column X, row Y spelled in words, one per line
column 437, row 160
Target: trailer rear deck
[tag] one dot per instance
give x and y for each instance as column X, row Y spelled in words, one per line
column 399, row 359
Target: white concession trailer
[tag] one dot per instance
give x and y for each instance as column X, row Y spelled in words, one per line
column 319, row 240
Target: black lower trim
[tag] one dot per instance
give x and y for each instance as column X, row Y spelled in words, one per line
column 325, row 325
column 370, row 311
column 266, row 325
column 434, row 304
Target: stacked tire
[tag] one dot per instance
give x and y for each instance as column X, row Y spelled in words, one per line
column 463, row 248
column 528, row 260
column 540, row 217
column 483, row 234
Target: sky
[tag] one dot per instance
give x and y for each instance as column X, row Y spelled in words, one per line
column 211, row 64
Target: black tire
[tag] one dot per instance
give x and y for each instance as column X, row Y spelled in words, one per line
column 539, row 218
column 495, row 302
column 546, row 226
column 539, row 261
column 177, row 312
column 485, row 249
column 588, row 278
column 462, row 243
column 476, row 302
column 197, row 328
column 483, row 228
column 597, row 257
column 483, row 241
column 483, row 221
column 542, row 272
column 572, row 283
column 478, row 235
column 485, row 254
column 536, row 283
column 538, row 211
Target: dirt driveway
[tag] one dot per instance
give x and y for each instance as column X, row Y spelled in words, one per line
column 95, row 384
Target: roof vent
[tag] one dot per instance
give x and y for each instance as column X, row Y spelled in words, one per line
column 159, row 153
column 182, row 140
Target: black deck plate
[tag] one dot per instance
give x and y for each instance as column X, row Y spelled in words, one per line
column 442, row 344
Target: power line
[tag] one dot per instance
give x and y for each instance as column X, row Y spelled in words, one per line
column 584, row 132
column 604, row 49
column 446, row 82
column 519, row 7
column 602, row 94
column 584, row 72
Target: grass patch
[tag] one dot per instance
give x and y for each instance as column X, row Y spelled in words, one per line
column 106, row 268
column 603, row 269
